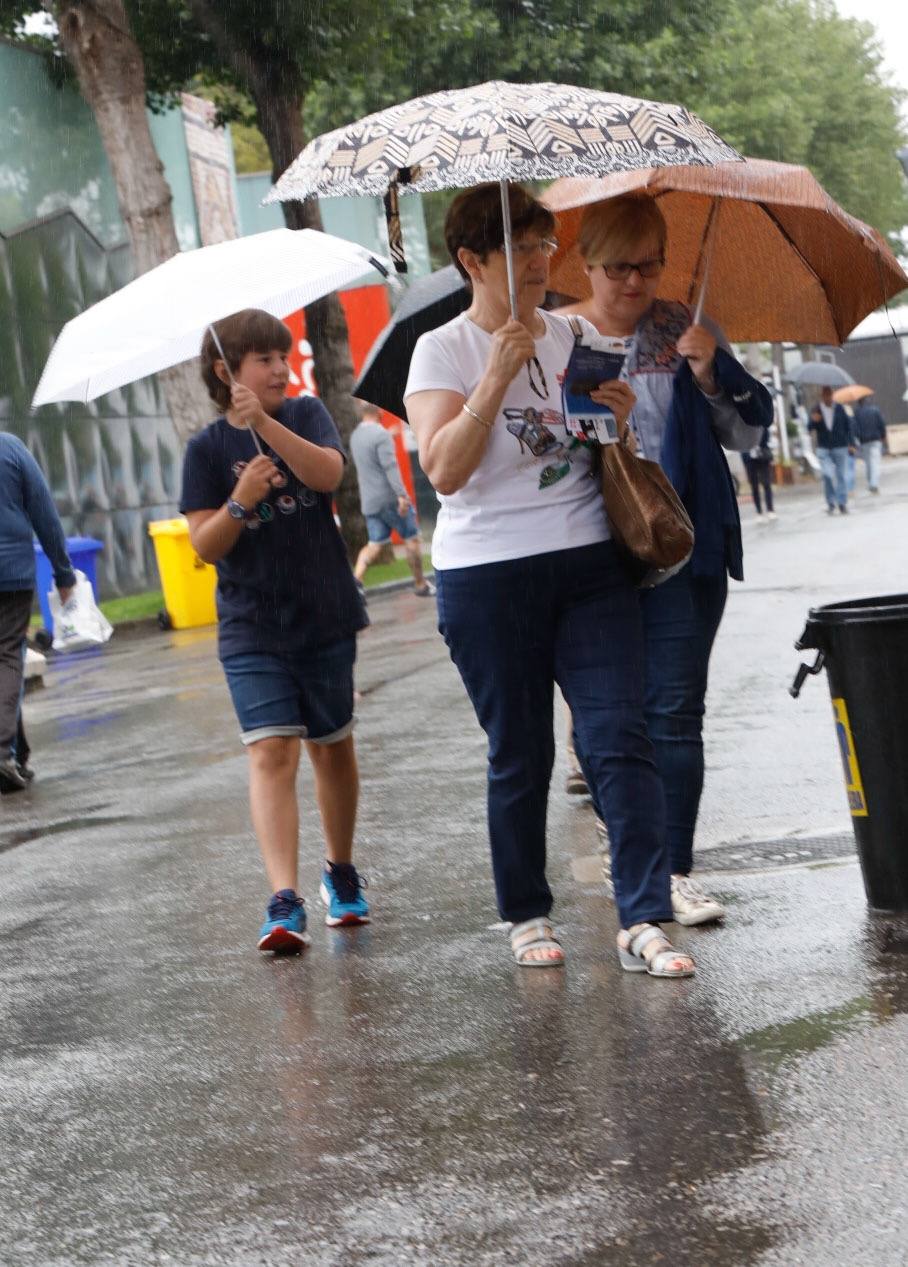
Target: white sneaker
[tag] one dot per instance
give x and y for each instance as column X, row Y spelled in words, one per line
column 771, row 514
column 691, row 905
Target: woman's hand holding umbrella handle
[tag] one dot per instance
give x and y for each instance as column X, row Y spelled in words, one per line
column 512, row 346
column 698, row 347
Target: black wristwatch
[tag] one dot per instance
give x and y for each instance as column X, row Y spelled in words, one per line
column 235, row 510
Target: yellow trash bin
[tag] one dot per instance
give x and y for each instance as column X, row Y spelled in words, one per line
column 188, row 582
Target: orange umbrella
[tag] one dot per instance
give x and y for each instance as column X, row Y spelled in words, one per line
column 786, row 262
column 853, row 392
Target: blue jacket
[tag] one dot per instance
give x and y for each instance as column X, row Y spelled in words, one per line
column 842, row 434
column 868, row 424
column 27, row 509
column 693, row 460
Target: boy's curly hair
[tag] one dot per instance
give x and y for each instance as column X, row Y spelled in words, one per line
column 250, row 330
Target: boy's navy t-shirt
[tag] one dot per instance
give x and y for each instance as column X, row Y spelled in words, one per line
column 286, row 585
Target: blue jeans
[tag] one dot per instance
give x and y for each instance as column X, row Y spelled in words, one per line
column 834, row 465
column 308, row 696
column 514, row 629
column 872, row 453
column 680, row 622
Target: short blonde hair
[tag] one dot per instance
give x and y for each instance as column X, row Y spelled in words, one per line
column 609, row 231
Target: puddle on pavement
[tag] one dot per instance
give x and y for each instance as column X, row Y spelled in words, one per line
column 12, row 840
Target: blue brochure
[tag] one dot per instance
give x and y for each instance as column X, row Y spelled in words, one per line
column 587, row 368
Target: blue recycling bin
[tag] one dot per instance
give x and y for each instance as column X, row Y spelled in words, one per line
column 83, row 553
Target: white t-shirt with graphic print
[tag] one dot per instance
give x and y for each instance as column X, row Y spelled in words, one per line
column 532, row 492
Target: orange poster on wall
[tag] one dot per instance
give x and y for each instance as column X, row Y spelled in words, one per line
column 367, row 311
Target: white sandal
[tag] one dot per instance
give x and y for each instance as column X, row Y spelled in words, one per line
column 535, row 934
column 631, row 947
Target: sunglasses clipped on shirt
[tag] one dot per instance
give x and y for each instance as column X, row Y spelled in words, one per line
column 621, row 270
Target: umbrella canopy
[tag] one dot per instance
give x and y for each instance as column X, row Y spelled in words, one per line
column 850, row 395
column 158, row 320
column 495, row 131
column 820, row 374
column 427, row 304
column 786, row 262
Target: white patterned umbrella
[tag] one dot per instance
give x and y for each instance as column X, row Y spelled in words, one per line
column 496, row 131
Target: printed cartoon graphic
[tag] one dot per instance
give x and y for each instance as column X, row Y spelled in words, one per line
column 529, row 427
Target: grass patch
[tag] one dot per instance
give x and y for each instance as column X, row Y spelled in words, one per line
column 146, row 606
column 133, row 606
column 381, row 573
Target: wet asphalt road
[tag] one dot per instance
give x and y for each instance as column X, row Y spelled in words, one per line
column 403, row 1094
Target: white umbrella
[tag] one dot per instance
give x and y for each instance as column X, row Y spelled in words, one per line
column 159, row 319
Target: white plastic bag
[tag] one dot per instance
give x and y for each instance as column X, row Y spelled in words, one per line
column 79, row 622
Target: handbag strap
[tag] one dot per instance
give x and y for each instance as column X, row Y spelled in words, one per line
column 577, row 330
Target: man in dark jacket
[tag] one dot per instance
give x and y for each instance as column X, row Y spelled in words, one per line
column 26, row 509
column 833, row 440
column 870, row 433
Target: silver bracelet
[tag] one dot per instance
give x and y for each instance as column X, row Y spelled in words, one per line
column 473, row 414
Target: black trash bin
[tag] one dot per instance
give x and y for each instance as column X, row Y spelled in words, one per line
column 863, row 645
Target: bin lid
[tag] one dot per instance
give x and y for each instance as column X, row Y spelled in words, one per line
column 76, row 545
column 861, row 611
column 178, row 527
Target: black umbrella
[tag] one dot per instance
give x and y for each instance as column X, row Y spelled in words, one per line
column 428, row 304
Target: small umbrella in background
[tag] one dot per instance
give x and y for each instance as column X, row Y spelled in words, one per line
column 785, row 261
column 427, row 304
column 852, row 394
column 495, row 132
column 820, row 374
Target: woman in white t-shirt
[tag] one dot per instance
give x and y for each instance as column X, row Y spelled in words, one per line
column 530, row 589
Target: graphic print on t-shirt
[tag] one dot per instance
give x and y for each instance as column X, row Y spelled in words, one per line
column 287, row 504
column 530, row 427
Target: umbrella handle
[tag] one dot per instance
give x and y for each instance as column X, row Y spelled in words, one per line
column 707, row 256
column 508, row 246
column 217, row 344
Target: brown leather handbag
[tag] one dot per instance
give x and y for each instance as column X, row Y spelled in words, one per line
column 646, row 515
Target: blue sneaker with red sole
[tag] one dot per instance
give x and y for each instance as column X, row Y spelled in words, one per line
column 341, row 891
column 284, row 929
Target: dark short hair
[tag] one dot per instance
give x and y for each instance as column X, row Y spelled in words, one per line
column 474, row 220
column 250, row 330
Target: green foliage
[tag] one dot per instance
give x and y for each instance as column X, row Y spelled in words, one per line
column 783, row 79
column 793, row 81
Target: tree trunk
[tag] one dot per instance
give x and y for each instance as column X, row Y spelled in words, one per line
column 278, row 101
column 280, row 119
column 96, row 37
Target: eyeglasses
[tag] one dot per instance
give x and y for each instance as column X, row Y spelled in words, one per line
column 622, row 269
column 526, row 250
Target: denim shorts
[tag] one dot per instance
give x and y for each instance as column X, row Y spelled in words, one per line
column 385, row 521
column 309, row 696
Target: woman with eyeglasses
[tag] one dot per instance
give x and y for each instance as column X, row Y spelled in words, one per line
column 530, row 590
column 692, row 398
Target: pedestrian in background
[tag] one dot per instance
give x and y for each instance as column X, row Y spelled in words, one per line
column 384, row 500
column 26, row 510
column 693, row 397
column 833, row 439
column 870, row 434
column 758, row 465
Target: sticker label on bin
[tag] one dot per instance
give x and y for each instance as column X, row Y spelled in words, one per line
column 854, row 788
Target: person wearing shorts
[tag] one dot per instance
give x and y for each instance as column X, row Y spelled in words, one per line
column 288, row 607
column 383, row 497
